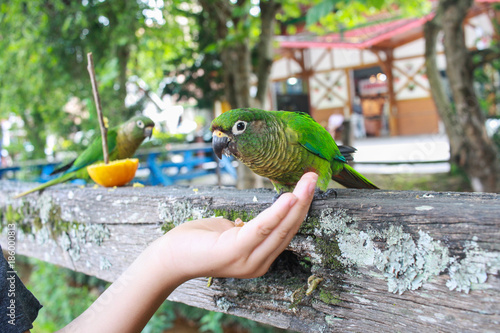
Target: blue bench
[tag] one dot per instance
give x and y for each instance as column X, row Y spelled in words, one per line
column 196, row 160
column 43, row 167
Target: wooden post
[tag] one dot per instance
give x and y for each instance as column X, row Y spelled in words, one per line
column 391, row 261
column 393, row 125
column 386, row 66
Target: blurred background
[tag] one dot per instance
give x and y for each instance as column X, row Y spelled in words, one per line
column 413, row 85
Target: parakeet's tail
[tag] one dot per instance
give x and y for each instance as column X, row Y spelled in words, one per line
column 350, row 178
column 58, row 180
column 346, row 151
column 63, row 168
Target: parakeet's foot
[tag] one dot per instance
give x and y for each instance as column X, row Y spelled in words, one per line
column 281, row 191
column 277, row 196
column 318, row 194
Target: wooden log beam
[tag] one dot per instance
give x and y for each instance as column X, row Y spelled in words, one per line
column 390, row 261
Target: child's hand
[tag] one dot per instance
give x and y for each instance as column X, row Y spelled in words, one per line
column 215, row 247
column 207, row 247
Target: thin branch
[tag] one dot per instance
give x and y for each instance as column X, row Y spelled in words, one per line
column 104, row 130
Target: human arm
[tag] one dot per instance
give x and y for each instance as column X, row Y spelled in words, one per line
column 207, row 247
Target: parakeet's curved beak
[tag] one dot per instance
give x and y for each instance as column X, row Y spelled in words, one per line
column 148, row 131
column 220, row 142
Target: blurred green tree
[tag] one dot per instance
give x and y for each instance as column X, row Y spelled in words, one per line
column 43, row 59
column 233, row 51
column 196, row 74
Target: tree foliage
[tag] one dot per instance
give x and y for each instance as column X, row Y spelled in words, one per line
column 334, row 15
column 44, row 45
column 197, row 76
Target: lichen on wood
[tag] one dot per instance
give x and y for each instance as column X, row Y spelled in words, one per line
column 385, row 261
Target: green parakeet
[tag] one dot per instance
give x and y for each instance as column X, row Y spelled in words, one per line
column 282, row 146
column 123, row 141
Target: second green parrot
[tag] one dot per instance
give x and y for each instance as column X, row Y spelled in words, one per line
column 123, row 141
column 282, row 146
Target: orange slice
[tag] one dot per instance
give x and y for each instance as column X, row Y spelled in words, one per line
column 115, row 173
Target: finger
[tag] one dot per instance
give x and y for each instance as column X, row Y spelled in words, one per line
column 300, row 211
column 258, row 229
column 283, row 233
column 291, row 223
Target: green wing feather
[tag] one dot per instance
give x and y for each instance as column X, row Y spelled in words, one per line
column 314, row 137
column 318, row 141
column 94, row 152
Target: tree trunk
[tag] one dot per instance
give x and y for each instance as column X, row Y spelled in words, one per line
column 441, row 99
column 237, row 63
column 264, row 48
column 471, row 148
column 123, row 54
column 481, row 163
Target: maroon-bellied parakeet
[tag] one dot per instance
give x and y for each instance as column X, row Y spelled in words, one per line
column 282, row 146
column 123, row 141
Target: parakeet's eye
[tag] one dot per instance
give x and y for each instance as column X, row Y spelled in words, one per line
column 239, row 127
column 140, row 124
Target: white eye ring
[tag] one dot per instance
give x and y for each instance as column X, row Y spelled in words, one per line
column 140, row 124
column 239, row 127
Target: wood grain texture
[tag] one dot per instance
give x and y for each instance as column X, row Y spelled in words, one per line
column 390, row 261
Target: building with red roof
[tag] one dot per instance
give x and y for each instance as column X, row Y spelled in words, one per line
column 382, row 65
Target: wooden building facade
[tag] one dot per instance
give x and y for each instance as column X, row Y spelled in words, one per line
column 381, row 65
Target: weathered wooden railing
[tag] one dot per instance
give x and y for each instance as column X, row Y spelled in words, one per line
column 390, row 261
